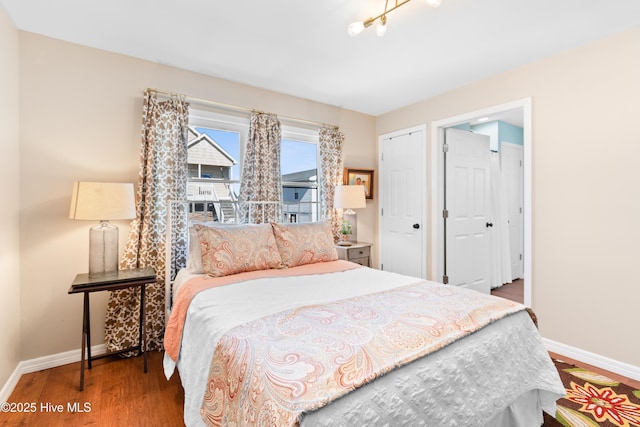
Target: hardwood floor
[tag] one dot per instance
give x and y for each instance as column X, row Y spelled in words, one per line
column 116, row 393
column 614, row 376
column 513, row 291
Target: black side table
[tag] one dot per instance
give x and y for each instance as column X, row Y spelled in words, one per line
column 121, row 279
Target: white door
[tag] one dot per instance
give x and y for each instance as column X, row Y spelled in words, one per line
column 511, row 158
column 402, row 203
column 467, row 204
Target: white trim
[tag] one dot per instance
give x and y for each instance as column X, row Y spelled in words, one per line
column 293, row 133
column 42, row 363
column 11, row 383
column 437, row 196
column 423, row 180
column 224, row 121
column 59, row 359
column 606, row 363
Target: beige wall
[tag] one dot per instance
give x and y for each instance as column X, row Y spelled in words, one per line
column 80, row 120
column 586, row 186
column 10, row 196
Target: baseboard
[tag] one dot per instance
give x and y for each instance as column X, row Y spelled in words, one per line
column 11, row 383
column 611, row 365
column 42, row 363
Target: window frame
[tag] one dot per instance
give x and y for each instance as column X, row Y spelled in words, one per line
column 240, row 123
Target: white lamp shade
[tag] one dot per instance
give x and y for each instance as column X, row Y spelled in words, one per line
column 349, row 197
column 102, row 201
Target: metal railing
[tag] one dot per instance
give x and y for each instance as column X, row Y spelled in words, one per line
column 208, row 205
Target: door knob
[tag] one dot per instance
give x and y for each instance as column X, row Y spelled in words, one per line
column 489, row 224
column 416, row 226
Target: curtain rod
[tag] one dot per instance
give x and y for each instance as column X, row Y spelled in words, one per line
column 237, row 108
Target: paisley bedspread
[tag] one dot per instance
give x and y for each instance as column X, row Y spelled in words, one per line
column 272, row 370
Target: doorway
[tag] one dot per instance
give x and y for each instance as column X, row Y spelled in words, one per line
column 437, row 255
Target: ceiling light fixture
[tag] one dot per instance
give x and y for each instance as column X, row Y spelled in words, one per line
column 381, row 29
column 357, row 27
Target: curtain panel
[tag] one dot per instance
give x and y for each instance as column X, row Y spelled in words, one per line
column 331, row 168
column 162, row 176
column 261, row 178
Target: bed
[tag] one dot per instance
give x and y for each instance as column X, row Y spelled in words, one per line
column 267, row 327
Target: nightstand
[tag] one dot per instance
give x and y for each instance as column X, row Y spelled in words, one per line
column 121, row 279
column 358, row 252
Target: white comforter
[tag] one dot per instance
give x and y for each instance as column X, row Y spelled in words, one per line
column 464, row 384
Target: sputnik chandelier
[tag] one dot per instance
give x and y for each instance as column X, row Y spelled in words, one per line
column 357, row 27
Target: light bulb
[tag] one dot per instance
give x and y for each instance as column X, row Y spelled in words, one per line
column 381, row 29
column 355, row 28
column 434, row 3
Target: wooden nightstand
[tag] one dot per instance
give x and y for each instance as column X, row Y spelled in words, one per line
column 122, row 279
column 358, row 252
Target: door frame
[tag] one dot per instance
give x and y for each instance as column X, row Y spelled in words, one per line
column 423, row 180
column 437, row 185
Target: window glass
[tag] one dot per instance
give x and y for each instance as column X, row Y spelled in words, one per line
column 299, row 165
column 214, row 173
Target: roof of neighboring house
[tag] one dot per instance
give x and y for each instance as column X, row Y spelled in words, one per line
column 204, row 150
column 310, row 175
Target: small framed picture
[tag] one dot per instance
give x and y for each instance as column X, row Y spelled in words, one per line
column 360, row 177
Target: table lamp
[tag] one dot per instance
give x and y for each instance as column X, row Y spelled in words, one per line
column 350, row 197
column 102, row 201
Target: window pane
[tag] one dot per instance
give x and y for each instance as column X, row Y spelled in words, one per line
column 297, row 156
column 299, row 165
column 214, row 171
column 300, row 204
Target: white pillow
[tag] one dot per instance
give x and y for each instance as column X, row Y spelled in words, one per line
column 194, row 258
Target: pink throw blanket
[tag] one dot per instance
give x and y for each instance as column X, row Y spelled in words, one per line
column 175, row 324
column 271, row 371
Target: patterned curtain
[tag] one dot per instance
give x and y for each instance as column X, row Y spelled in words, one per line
column 331, row 141
column 261, row 177
column 163, row 175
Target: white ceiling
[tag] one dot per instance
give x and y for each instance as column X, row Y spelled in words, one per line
column 301, row 47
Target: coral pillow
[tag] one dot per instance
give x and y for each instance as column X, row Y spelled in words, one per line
column 305, row 243
column 236, row 249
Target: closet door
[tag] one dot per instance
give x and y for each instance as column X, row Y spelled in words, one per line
column 403, row 202
column 467, row 203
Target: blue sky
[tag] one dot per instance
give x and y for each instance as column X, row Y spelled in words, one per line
column 295, row 156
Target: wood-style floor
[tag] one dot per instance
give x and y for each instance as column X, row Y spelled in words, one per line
column 118, row 393
column 513, row 291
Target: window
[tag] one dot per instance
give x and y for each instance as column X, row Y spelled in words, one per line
column 214, row 158
column 216, row 146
